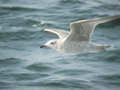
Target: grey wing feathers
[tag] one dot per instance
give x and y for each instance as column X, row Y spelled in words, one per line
column 106, row 19
column 82, row 30
column 58, row 32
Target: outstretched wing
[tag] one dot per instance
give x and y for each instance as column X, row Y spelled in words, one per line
column 82, row 30
column 59, row 33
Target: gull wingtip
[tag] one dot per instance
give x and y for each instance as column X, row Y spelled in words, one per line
column 45, row 30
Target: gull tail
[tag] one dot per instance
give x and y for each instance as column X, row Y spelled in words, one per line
column 106, row 19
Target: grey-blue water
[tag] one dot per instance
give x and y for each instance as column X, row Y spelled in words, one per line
column 24, row 66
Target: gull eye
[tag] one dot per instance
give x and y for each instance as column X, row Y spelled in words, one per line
column 52, row 43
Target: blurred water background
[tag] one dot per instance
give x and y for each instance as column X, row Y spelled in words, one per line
column 24, row 66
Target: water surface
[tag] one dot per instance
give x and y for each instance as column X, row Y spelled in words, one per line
column 24, row 66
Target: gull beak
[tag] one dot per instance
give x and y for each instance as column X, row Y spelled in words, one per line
column 42, row 46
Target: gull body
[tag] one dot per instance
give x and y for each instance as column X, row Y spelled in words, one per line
column 78, row 40
column 73, row 47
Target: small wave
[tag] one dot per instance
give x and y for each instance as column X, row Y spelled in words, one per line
column 25, row 76
column 44, row 23
column 21, row 35
column 71, row 1
column 22, row 22
column 9, row 63
column 111, row 80
column 8, row 59
column 64, row 83
column 110, row 77
column 73, row 72
column 111, row 56
column 5, row 84
column 17, row 7
column 40, row 67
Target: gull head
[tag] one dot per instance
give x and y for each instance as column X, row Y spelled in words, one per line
column 50, row 44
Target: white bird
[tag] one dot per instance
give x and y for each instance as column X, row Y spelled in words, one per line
column 78, row 40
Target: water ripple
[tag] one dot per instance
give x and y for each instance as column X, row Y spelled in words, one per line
column 24, row 66
column 20, row 8
column 41, row 67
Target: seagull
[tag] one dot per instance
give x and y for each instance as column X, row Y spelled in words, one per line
column 79, row 39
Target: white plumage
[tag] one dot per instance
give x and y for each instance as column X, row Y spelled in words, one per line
column 78, row 40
